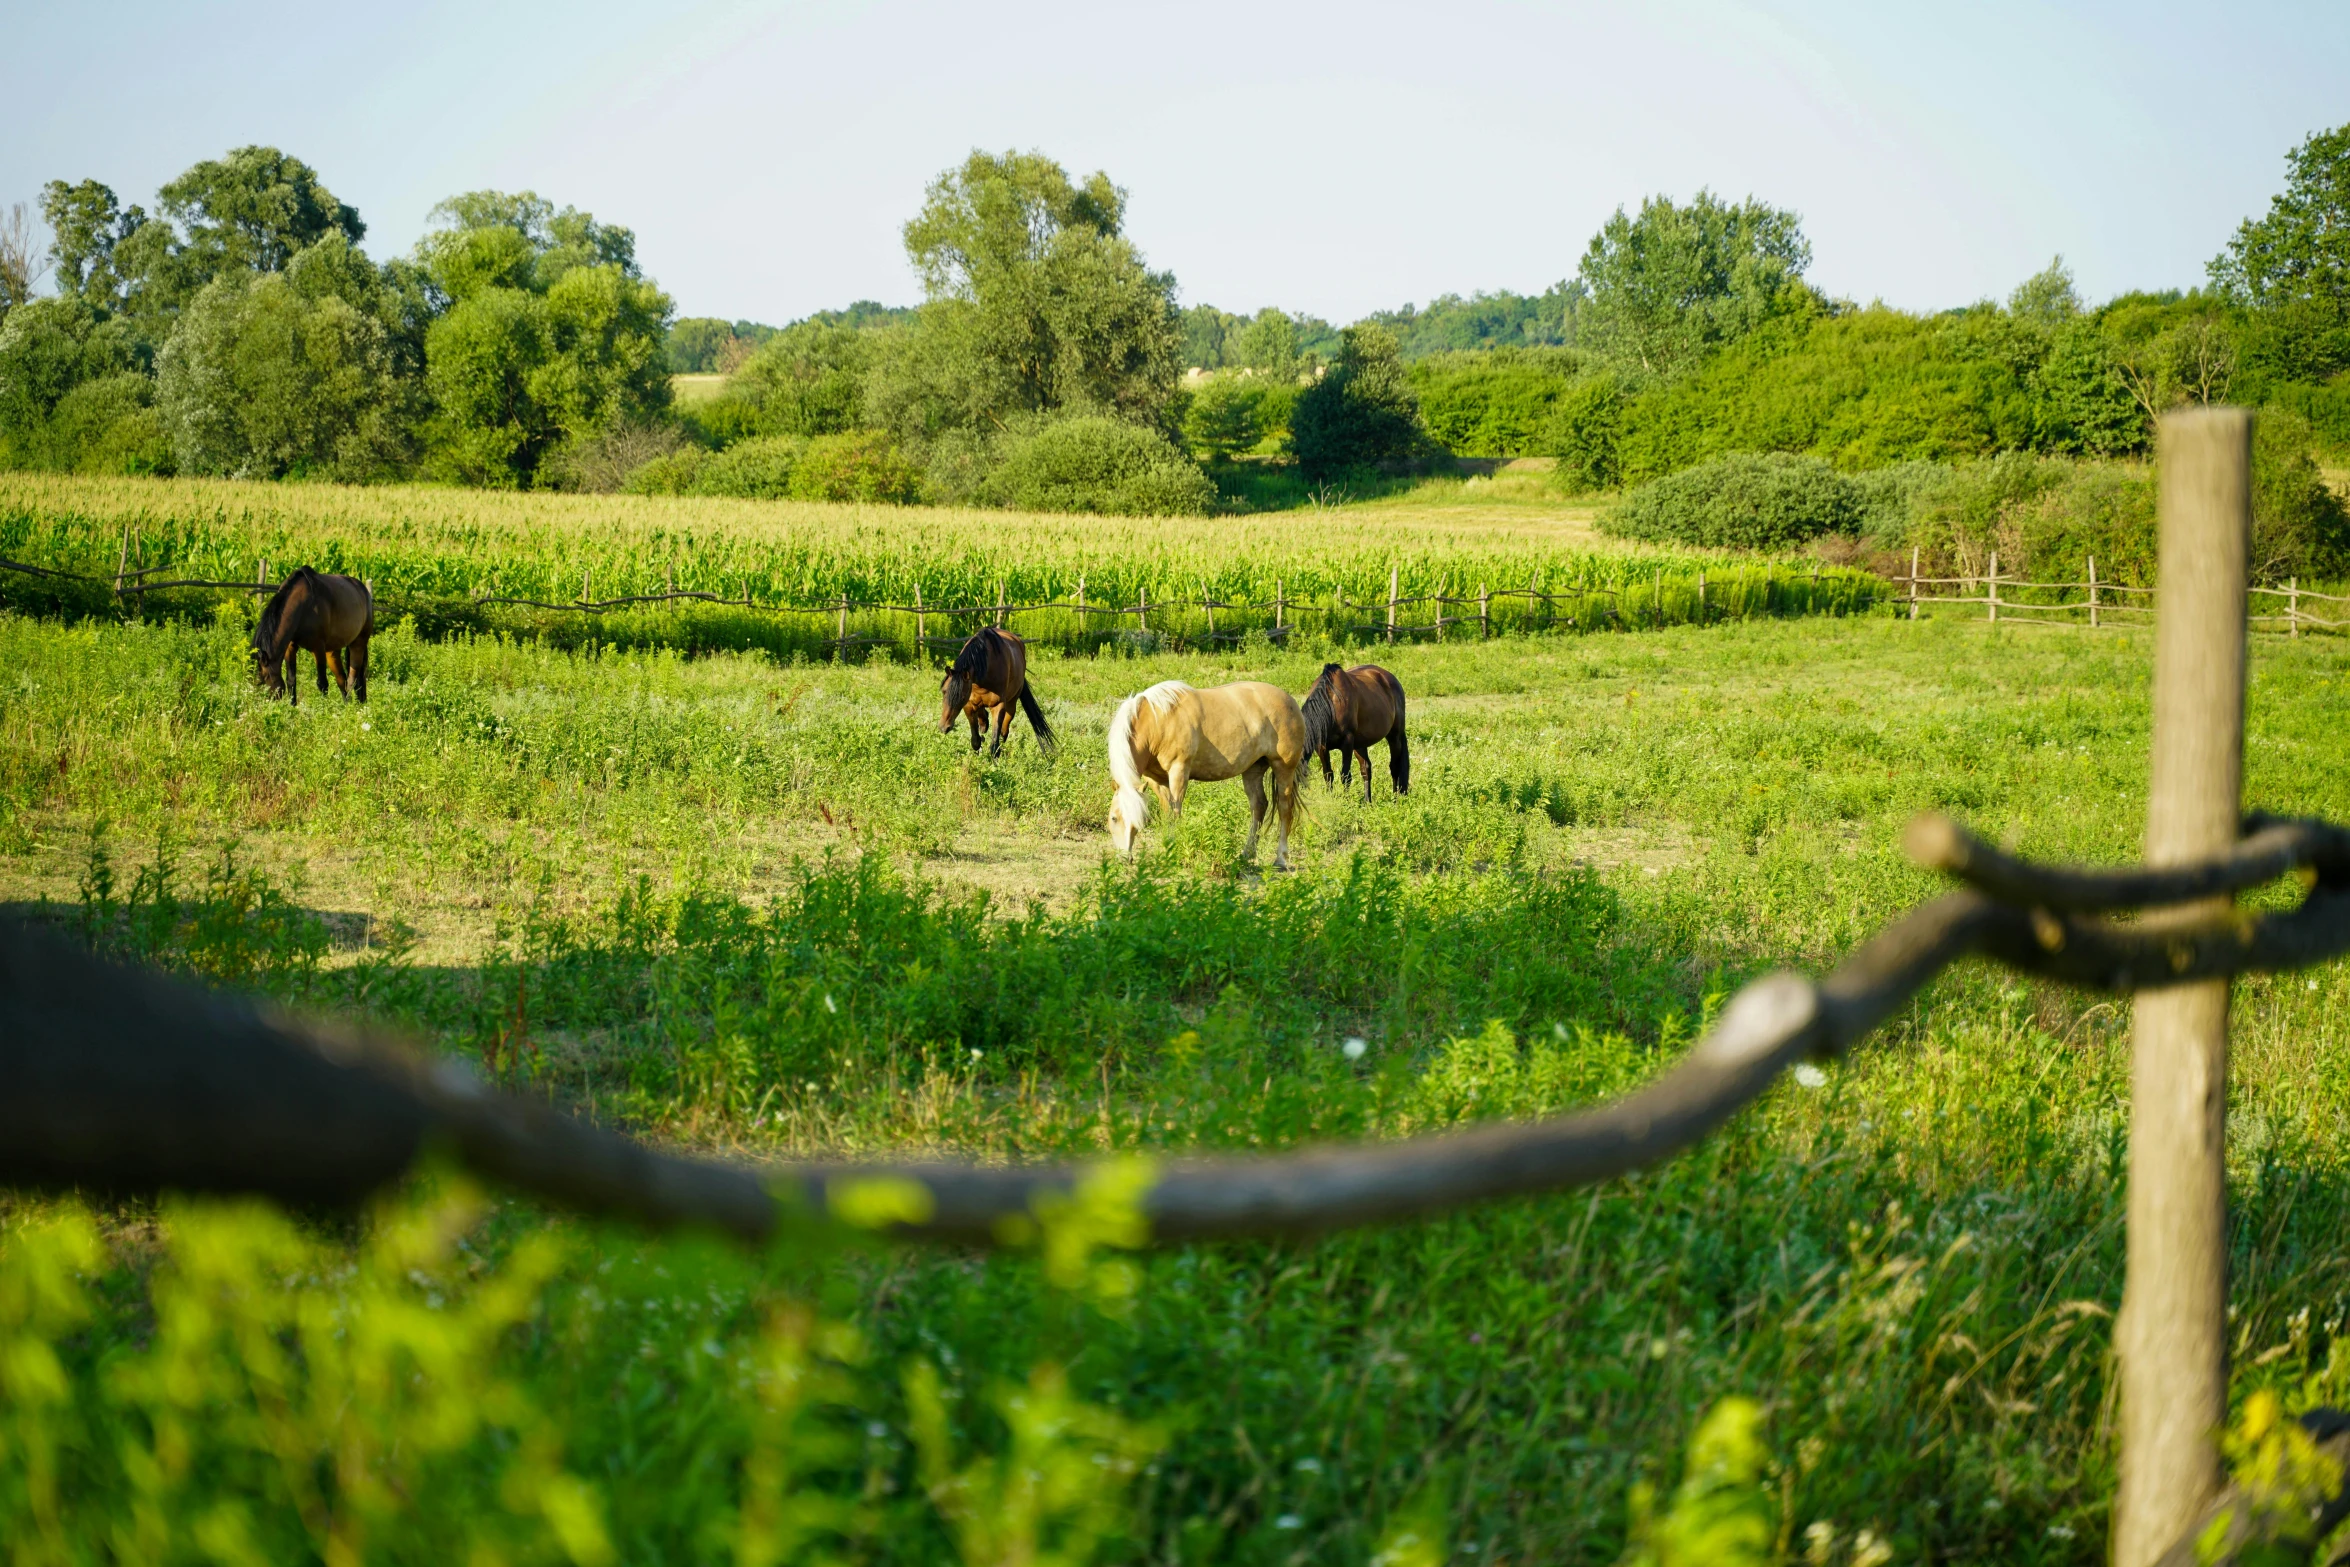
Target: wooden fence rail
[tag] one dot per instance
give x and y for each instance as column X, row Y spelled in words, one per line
column 2100, row 600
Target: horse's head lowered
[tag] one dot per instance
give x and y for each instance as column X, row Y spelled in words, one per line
column 1130, row 812
column 954, row 691
column 266, row 656
column 954, row 694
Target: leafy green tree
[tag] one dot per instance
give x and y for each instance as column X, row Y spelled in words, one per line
column 1207, row 336
column 85, row 226
column 1036, row 301
column 1226, row 415
column 1362, row 414
column 2288, row 271
column 695, row 344
column 2081, row 404
column 1670, row 286
column 551, row 334
column 49, row 349
column 2047, row 299
column 290, row 372
column 253, row 210
column 1269, row 345
column 808, row 379
column 1091, row 463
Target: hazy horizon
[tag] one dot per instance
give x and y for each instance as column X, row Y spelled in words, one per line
column 1328, row 161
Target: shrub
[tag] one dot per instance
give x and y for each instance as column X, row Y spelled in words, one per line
column 1747, row 500
column 1094, row 463
column 759, row 469
column 671, row 475
column 109, row 426
column 861, row 465
column 2299, row 526
column 1586, row 422
column 1498, row 403
column 1226, row 415
column 1363, row 414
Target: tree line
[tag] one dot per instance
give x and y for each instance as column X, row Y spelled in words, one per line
column 240, row 329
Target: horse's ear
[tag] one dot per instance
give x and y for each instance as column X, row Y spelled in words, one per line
column 1329, row 670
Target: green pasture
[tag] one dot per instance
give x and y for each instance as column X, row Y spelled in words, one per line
column 761, row 906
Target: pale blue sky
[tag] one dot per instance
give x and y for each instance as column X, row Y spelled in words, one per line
column 1330, row 158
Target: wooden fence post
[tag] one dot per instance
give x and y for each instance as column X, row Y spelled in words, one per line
column 2293, row 605
column 1701, row 598
column 1002, row 609
column 921, row 621
column 122, row 562
column 1142, row 608
column 1994, row 589
column 1207, row 602
column 1913, row 582
column 1391, row 603
column 840, row 635
column 2092, row 593
column 583, row 585
column 1484, row 612
column 2171, row 1339
column 1280, row 605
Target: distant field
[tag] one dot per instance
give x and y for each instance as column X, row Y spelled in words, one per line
column 692, row 389
column 431, row 552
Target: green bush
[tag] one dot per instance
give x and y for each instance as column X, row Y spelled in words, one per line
column 1747, row 500
column 1095, row 463
column 1860, row 390
column 1363, row 414
column 1499, row 403
column 758, row 469
column 1586, row 423
column 109, row 426
column 2299, row 525
column 670, row 475
column 1226, row 414
column 859, row 465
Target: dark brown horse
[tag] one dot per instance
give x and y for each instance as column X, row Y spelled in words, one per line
column 1351, row 710
column 991, row 672
column 330, row 617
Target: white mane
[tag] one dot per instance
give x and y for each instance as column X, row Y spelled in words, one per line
column 1123, row 772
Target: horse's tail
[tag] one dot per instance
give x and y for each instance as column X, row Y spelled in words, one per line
column 1321, row 723
column 1044, row 731
column 1123, row 772
column 1399, row 752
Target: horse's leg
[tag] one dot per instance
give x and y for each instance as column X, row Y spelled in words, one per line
column 1324, row 754
column 1285, row 803
column 1254, row 778
column 978, row 728
column 1346, row 765
column 293, row 674
column 1365, row 754
column 1003, row 731
column 342, row 670
column 359, row 665
column 318, row 657
column 1178, row 779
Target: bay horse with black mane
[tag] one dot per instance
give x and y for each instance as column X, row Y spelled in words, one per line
column 991, row 672
column 330, row 617
column 1351, row 710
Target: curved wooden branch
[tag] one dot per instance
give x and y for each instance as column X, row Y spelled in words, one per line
column 2271, row 847
column 125, row 1081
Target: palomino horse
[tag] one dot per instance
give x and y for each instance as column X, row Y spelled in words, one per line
column 331, row 617
column 991, row 671
column 1173, row 734
column 1349, row 711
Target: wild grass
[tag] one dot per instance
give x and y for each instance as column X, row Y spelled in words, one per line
column 578, row 867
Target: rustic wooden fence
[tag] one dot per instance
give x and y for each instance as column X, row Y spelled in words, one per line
column 1202, row 620
column 2102, row 603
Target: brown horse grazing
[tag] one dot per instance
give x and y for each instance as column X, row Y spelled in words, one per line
column 992, row 671
column 1349, row 711
column 331, row 617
